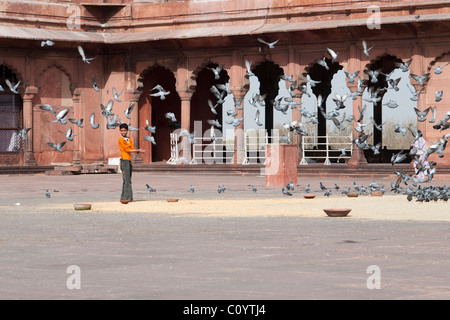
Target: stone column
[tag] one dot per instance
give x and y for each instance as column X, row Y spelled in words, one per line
column 239, row 149
column 133, row 98
column 28, row 97
column 185, row 97
column 76, row 158
column 354, row 63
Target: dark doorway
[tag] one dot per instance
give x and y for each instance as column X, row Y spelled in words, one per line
column 154, row 109
column 386, row 64
column 200, row 109
column 268, row 74
column 319, row 73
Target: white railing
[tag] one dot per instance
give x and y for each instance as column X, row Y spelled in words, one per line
column 310, row 145
column 173, row 149
column 216, row 151
column 255, row 143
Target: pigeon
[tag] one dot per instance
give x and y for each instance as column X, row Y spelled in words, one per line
column 398, row 157
column 403, row 66
column 149, row 128
column 333, row 55
column 308, row 188
column 57, row 146
column 351, row 76
column 47, row 43
column 70, row 135
column 291, row 185
column 391, row 104
column 212, row 107
column 339, row 100
column 286, row 192
column 215, row 123
column 399, row 129
column 185, row 133
column 112, row 122
column 421, row 114
column 150, row 189
column 322, row 62
column 355, row 186
column 106, row 110
column 248, row 65
column 336, row 187
column 78, row 122
column 235, row 122
column 375, row 148
column 322, row 187
column 438, row 95
column 365, row 48
column 327, row 193
column 224, row 87
column 254, row 189
column 439, row 68
column 161, row 92
column 171, row 116
column 91, row 121
column 373, row 74
column 394, row 83
column 379, row 127
column 83, row 56
column 216, row 71
column 150, row 139
column 237, row 103
column 191, row 188
column 47, row 194
column 116, row 95
column 12, row 87
column 219, row 95
column 271, row 45
column 434, row 111
column 23, row 133
column 128, row 111
column 420, row 79
column 415, row 93
column 257, row 118
column 60, row 117
column 94, row 84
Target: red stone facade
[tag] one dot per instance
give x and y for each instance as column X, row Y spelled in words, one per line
column 138, row 44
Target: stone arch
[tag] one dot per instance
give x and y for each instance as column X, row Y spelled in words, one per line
column 63, row 70
column 386, row 62
column 202, row 80
column 143, row 74
column 153, row 109
column 318, row 72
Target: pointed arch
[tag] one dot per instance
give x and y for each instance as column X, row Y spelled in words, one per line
column 63, row 70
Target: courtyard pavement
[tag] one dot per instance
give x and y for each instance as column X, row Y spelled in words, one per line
column 203, row 248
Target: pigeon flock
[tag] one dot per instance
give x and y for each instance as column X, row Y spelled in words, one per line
column 220, row 91
column 112, row 120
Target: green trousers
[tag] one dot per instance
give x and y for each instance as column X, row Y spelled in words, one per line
column 127, row 190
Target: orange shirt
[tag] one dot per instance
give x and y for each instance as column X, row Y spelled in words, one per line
column 125, row 148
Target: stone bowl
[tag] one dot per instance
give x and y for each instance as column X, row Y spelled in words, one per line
column 352, row 195
column 337, row 212
column 172, row 200
column 376, row 194
column 309, row 196
column 82, row 206
column 124, row 201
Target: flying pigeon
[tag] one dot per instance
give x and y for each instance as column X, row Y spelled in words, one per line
column 271, row 45
column 161, row 92
column 47, row 43
column 91, row 121
column 57, row 146
column 83, row 56
column 128, row 111
column 116, row 95
column 365, row 48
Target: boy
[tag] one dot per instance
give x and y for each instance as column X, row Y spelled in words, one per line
column 126, row 148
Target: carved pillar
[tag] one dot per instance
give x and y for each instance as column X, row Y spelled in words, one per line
column 133, row 98
column 185, row 97
column 354, row 63
column 239, row 149
column 30, row 93
column 76, row 158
